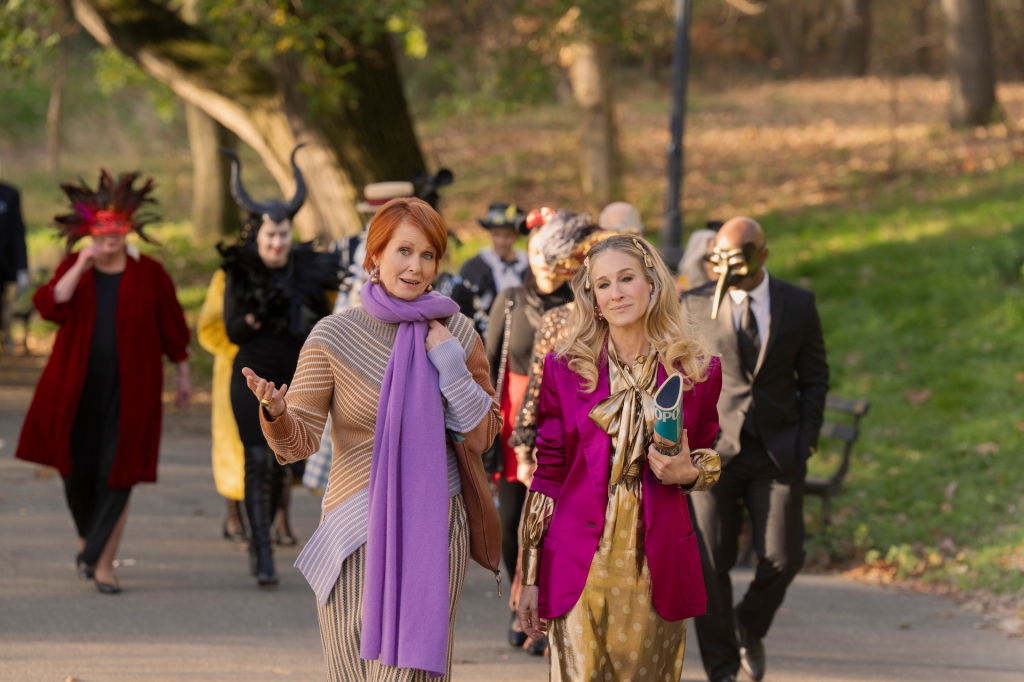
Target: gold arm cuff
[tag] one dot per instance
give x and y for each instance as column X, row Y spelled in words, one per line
column 531, row 565
column 709, row 470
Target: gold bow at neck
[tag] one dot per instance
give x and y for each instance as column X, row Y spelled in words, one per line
column 627, row 415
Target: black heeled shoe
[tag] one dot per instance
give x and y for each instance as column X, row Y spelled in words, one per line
column 516, row 637
column 538, row 647
column 107, row 588
column 85, row 571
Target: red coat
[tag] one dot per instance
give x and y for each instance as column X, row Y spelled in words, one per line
column 150, row 324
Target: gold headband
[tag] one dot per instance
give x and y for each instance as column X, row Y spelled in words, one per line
column 647, row 257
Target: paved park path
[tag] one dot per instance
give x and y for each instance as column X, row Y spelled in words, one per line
column 190, row 612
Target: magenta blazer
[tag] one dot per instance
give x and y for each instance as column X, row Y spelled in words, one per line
column 572, row 468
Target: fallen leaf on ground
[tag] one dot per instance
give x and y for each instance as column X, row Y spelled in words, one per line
column 950, row 489
column 1012, row 626
column 918, row 398
column 988, row 448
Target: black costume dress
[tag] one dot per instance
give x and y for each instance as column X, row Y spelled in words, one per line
column 286, row 302
column 94, row 506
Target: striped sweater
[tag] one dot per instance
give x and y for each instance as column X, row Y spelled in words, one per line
column 340, row 371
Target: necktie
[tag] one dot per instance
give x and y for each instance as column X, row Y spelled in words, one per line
column 749, row 338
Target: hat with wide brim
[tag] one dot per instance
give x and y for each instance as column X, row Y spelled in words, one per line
column 502, row 216
column 379, row 193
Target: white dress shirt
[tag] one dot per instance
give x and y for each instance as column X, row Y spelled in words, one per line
column 760, row 305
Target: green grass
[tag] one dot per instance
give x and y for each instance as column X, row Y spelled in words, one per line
column 924, row 297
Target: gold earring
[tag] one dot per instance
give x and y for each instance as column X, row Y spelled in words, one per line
column 430, row 287
column 375, row 276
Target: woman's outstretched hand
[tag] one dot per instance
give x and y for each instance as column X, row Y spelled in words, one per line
column 532, row 624
column 272, row 399
column 677, row 470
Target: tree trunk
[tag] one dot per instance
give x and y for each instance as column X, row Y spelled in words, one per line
column 854, row 38
column 919, row 19
column 590, row 73
column 53, row 111
column 214, row 213
column 346, row 148
column 786, row 23
column 972, row 76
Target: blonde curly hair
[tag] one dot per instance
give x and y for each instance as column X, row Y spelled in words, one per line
column 678, row 346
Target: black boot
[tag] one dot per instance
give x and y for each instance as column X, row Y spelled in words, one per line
column 282, row 533
column 258, row 505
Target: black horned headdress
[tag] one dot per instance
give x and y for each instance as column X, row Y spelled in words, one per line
column 274, row 210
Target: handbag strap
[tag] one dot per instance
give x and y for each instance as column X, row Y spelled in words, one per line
column 506, row 335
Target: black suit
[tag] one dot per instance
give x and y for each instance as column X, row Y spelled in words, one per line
column 764, row 461
column 13, row 256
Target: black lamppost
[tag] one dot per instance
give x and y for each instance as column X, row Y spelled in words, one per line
column 672, row 221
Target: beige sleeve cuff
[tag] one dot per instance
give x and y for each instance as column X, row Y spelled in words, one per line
column 709, row 469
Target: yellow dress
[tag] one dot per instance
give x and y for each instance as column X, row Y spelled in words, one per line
column 228, row 455
column 613, row 632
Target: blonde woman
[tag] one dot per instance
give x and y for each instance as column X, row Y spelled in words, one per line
column 611, row 568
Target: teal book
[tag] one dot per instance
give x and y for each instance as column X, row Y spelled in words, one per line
column 668, row 409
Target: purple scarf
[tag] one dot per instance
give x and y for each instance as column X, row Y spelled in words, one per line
column 405, row 592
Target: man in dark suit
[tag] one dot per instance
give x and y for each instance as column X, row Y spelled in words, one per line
column 13, row 256
column 774, row 383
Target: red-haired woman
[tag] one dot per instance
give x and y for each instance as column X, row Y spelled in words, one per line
column 96, row 412
column 400, row 377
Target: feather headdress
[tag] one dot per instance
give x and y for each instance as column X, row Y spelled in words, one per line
column 113, row 208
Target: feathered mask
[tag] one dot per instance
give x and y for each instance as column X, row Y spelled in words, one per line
column 111, row 209
column 564, row 239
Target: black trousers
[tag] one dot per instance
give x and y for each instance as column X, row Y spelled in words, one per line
column 775, row 502
column 511, row 497
column 95, row 434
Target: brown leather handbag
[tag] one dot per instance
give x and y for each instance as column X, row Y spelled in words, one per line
column 484, row 523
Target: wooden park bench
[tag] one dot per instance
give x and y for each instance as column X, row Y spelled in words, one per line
column 824, row 487
column 827, row 487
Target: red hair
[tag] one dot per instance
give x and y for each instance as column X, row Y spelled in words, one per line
column 413, row 211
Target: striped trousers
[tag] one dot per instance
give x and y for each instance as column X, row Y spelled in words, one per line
column 341, row 618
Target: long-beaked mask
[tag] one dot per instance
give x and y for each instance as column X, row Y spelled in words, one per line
column 733, row 266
